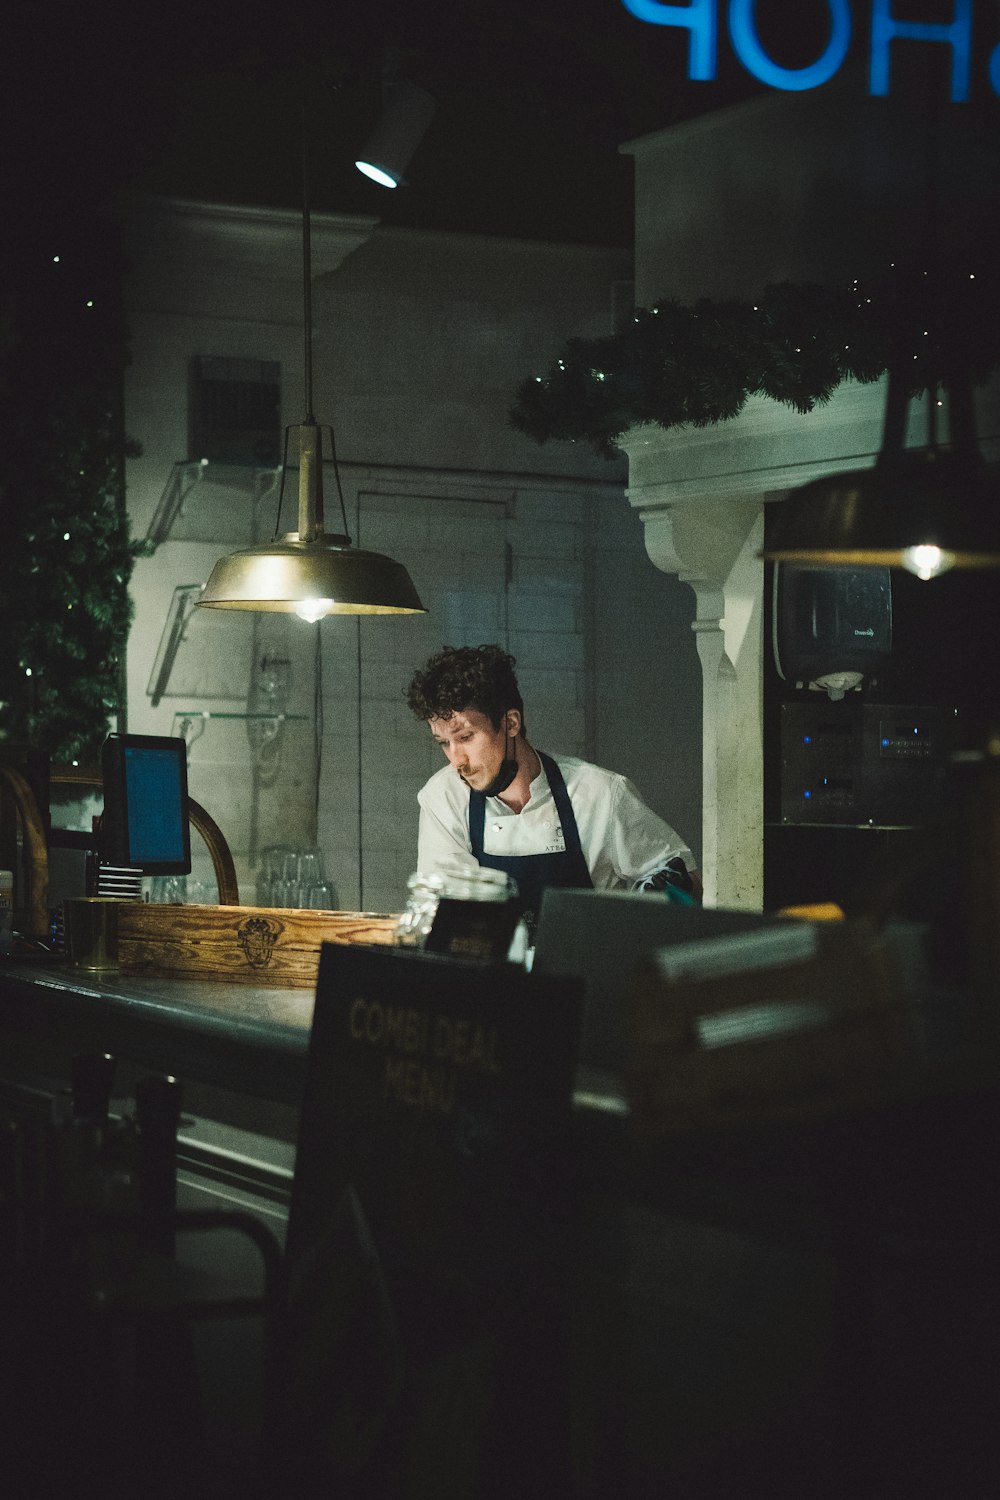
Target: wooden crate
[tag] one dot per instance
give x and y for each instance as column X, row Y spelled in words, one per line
column 256, row 945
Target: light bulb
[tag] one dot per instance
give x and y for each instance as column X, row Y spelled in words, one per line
column 927, row 561
column 376, row 174
column 312, row 610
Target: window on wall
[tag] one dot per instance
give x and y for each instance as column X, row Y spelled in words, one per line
column 235, row 410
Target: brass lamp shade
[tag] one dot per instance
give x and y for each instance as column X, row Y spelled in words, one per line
column 325, row 576
column 882, row 516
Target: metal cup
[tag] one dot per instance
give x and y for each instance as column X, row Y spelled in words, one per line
column 92, row 933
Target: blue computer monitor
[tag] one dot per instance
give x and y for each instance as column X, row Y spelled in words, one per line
column 145, row 822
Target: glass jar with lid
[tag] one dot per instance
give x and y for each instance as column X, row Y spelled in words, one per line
column 461, row 883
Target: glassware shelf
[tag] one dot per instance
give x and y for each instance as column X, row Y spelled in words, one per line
column 207, row 501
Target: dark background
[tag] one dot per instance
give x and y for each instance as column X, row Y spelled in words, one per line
column 207, row 101
column 535, row 97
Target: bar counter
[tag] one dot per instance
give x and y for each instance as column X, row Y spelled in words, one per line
column 237, row 1037
column 247, row 1040
column 811, row 1296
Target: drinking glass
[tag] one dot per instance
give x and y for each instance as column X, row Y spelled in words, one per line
column 169, row 889
column 272, row 859
column 310, row 868
column 320, row 897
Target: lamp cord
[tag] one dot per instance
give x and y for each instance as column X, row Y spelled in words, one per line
column 336, row 475
column 307, row 346
column 306, row 272
column 317, row 722
column 281, row 487
column 360, row 744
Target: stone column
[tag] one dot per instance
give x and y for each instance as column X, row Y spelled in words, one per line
column 701, row 494
column 712, row 544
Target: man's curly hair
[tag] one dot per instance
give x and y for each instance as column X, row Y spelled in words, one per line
column 462, row 677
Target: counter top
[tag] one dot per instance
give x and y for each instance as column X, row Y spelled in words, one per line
column 235, row 1036
column 238, row 1036
column 208, row 1003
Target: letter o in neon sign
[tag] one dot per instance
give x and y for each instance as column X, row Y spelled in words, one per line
column 746, row 45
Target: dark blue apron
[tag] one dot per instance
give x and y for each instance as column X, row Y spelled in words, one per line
column 533, row 872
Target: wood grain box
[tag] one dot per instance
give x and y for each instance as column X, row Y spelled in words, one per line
column 238, row 944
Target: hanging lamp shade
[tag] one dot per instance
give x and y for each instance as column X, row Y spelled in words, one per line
column 325, row 576
column 935, row 512
column 924, row 509
column 311, row 572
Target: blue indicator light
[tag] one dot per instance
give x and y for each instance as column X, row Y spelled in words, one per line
column 807, row 739
column 885, row 742
column 807, row 794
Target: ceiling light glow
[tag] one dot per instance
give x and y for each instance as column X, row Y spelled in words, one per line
column 376, row 174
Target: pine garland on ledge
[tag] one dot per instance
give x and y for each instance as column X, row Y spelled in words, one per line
column 675, row 365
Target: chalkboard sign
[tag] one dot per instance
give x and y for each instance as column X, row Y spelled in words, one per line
column 473, row 929
column 429, row 1224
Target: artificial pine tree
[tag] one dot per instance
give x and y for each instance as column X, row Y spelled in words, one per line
column 65, row 552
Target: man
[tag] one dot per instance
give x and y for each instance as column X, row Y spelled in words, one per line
column 501, row 803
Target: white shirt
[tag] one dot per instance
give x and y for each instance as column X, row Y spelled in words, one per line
column 622, row 839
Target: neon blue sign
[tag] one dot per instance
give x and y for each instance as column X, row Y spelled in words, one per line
column 700, row 18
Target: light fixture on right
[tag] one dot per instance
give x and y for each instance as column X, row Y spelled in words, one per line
column 925, row 509
column 405, row 117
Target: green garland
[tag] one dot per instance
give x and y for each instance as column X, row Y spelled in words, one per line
column 675, row 365
column 66, row 555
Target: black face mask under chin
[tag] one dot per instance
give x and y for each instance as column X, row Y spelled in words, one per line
column 505, row 775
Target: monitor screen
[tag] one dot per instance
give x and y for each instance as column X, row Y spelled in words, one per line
column 145, row 822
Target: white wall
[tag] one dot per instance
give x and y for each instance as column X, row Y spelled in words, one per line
column 647, row 713
column 823, row 185
column 419, row 342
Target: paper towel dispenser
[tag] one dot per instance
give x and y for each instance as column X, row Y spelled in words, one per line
column 831, row 627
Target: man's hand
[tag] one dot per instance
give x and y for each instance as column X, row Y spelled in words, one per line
column 674, row 876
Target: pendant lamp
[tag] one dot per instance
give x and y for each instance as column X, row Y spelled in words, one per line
column 310, row 572
column 929, row 508
column 924, row 509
